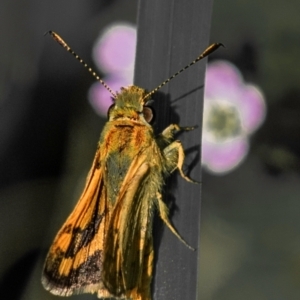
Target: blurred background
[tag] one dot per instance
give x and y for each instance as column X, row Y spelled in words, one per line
column 250, row 234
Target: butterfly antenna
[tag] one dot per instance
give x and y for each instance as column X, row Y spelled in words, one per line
column 59, row 40
column 205, row 53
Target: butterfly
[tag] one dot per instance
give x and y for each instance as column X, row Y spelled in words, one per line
column 105, row 246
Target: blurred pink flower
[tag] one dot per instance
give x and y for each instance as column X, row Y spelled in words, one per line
column 232, row 111
column 114, row 54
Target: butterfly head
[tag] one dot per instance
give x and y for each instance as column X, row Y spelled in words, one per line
column 131, row 104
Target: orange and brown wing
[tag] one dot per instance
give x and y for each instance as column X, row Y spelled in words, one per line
column 74, row 261
column 128, row 254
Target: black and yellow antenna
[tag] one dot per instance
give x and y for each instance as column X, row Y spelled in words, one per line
column 210, row 49
column 205, row 53
column 58, row 39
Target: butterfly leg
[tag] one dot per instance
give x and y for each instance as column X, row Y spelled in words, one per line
column 167, row 136
column 163, row 212
column 174, row 154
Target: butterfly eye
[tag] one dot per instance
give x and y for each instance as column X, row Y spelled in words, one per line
column 148, row 113
column 109, row 110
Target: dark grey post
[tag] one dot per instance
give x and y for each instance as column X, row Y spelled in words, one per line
column 172, row 33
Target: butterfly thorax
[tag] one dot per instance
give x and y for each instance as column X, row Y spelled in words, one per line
column 126, row 138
